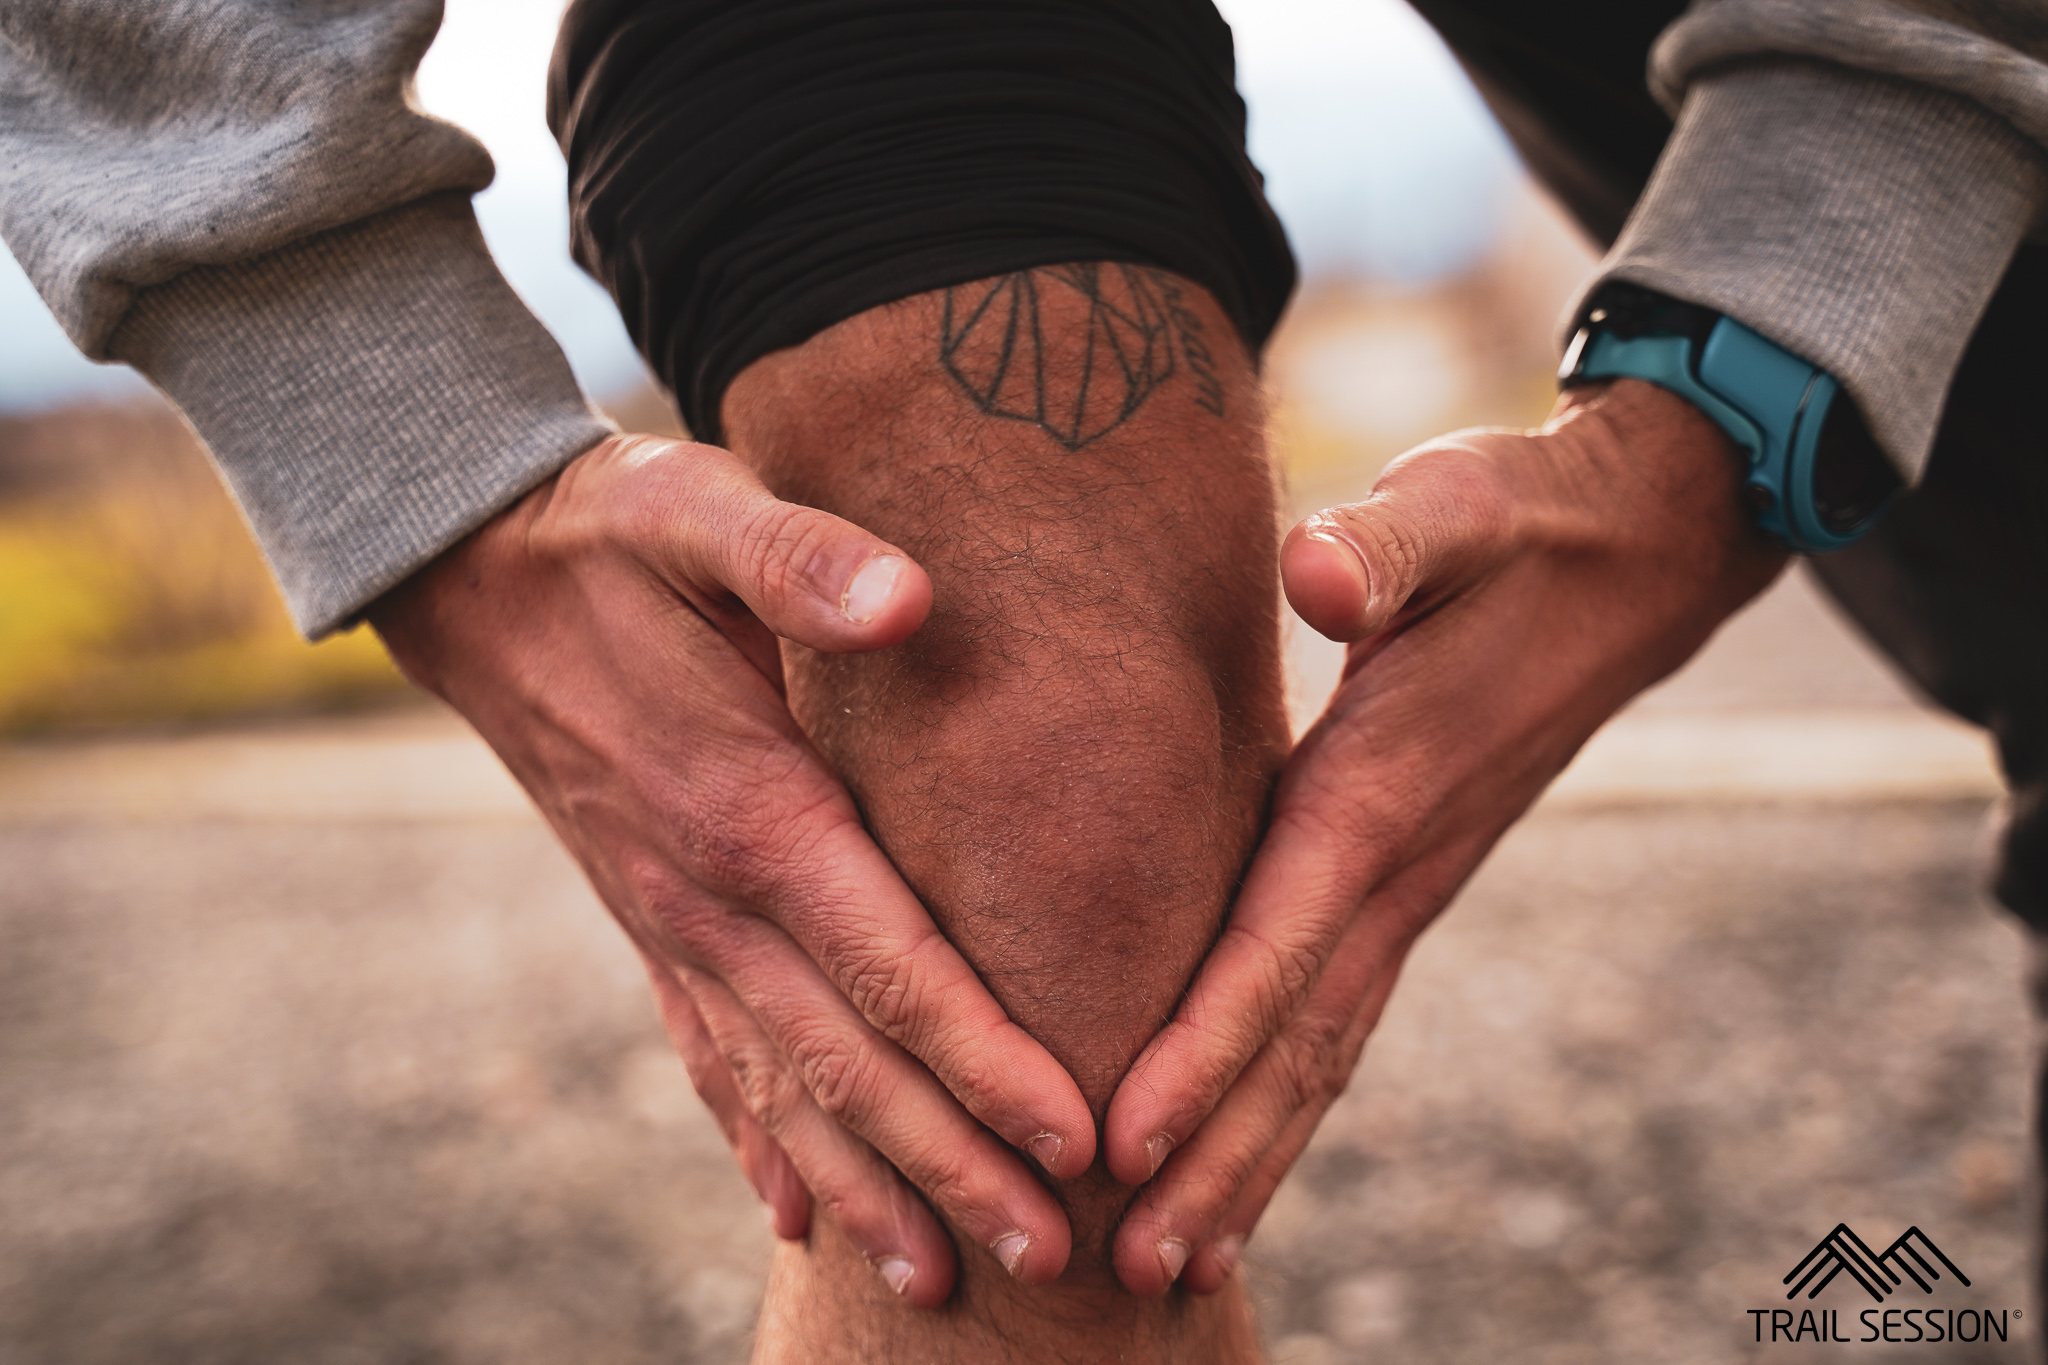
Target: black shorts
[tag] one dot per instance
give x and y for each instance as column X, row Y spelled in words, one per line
column 744, row 175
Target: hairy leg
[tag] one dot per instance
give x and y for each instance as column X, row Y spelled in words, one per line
column 1070, row 761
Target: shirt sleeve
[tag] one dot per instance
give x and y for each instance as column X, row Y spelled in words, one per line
column 241, row 199
column 1848, row 178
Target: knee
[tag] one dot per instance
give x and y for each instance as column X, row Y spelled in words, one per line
column 1069, row 761
column 1075, row 806
column 1078, row 828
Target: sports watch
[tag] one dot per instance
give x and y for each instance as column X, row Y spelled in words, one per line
column 1816, row 479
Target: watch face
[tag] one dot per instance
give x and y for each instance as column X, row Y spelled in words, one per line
column 1852, row 479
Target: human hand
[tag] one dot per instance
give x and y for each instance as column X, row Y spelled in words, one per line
column 613, row 637
column 1502, row 593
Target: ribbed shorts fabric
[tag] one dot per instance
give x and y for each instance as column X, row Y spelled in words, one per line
column 743, row 175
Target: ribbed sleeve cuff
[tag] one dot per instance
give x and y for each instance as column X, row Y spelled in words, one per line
column 1858, row 221
column 372, row 395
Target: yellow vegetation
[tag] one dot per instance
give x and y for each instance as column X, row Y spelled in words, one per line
column 130, row 590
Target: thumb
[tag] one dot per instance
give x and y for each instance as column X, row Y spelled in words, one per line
column 809, row 576
column 1434, row 522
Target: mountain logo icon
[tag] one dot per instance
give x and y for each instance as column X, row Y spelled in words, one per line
column 1879, row 1273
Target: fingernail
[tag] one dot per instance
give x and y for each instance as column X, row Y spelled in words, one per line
column 1173, row 1254
column 869, row 590
column 1227, row 1252
column 1325, row 529
column 1046, row 1148
column 1158, row 1147
column 1010, row 1248
column 896, row 1273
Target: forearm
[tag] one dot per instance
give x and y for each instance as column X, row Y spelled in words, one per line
column 1851, row 179
column 241, row 200
column 1070, row 761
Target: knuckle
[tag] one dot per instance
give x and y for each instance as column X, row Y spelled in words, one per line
column 1322, row 807
column 1242, row 1036
column 846, row 1082
column 855, row 1198
column 776, row 543
column 886, row 982
column 661, row 898
column 726, row 856
column 766, row 1087
column 1358, row 802
column 1290, row 969
column 949, row 1178
column 1394, row 549
column 976, row 1086
column 1313, row 1069
column 1452, row 494
column 1204, row 1192
column 742, row 843
column 1295, row 968
column 841, row 1204
column 651, row 493
column 762, row 544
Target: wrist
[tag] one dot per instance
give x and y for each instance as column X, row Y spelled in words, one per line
column 1860, row 220
column 1656, row 462
column 1631, row 407
column 371, row 394
column 419, row 617
column 1811, row 474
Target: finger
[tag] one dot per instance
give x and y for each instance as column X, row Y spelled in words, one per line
column 1212, row 1263
column 766, row 1166
column 881, row 1094
column 1214, row 1259
column 1301, row 895
column 1284, row 1092
column 876, row 943
column 1309, row 896
column 1351, row 571
column 856, row 1188
column 710, row 525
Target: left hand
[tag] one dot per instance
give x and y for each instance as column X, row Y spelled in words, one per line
column 1502, row 594
column 613, row 636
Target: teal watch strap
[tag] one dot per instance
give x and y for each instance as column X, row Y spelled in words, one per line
column 1772, row 404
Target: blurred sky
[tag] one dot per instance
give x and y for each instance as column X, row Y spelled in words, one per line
column 1378, row 156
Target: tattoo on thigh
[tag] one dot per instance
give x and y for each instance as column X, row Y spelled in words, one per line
column 1082, row 380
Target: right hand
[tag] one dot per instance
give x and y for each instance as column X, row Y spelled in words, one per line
column 1502, row 594
column 612, row 636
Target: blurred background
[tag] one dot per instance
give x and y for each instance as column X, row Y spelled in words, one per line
column 314, row 1047
column 128, row 591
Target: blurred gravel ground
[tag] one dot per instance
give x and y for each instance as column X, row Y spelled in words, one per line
column 1652, row 1058
column 389, row 1090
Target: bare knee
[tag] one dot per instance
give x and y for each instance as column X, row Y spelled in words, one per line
column 1069, row 762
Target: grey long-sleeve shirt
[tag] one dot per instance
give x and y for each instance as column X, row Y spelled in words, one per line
column 239, row 198
column 1851, row 179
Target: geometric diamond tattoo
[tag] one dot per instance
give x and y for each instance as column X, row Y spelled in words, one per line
column 994, row 346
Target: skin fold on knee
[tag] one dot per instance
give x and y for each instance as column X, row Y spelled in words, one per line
column 1070, row 761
